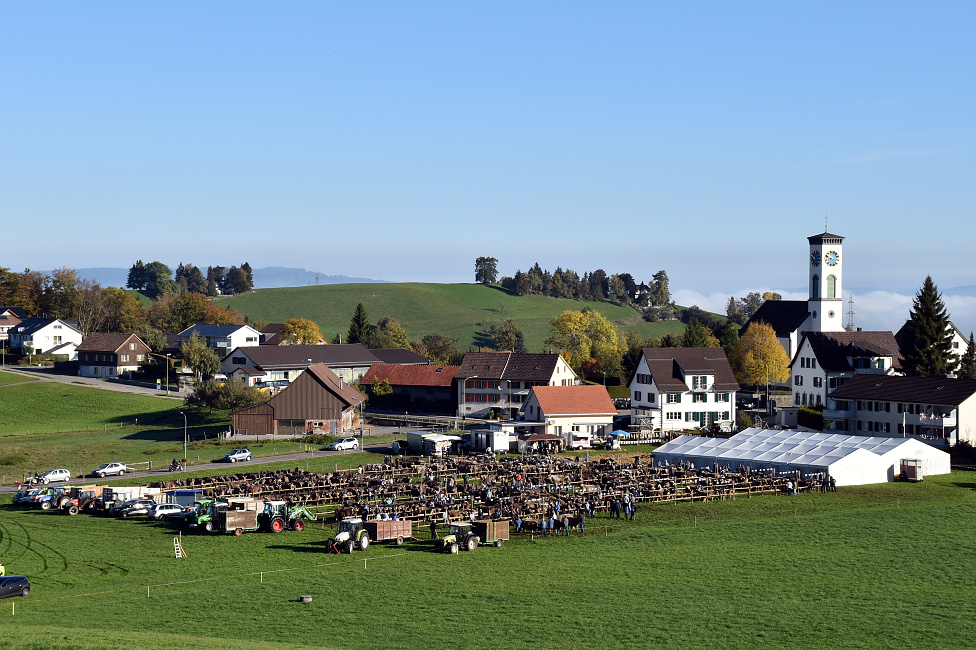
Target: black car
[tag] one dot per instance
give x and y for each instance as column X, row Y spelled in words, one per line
column 14, row 586
column 132, row 507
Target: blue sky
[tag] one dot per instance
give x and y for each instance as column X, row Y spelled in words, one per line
column 401, row 140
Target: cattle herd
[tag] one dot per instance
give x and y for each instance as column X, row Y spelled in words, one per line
column 520, row 488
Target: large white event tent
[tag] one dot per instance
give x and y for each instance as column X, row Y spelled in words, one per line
column 850, row 460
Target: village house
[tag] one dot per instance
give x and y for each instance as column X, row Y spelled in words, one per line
column 930, row 408
column 318, row 401
column 111, row 355
column 47, row 336
column 222, row 338
column 825, row 360
column 577, row 414
column 682, row 388
column 9, row 317
column 499, row 382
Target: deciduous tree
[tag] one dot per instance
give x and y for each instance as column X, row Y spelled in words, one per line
column 928, row 342
column 698, row 335
column 300, row 331
column 759, row 358
column 388, row 333
column 202, row 360
column 581, row 335
column 485, row 270
column 507, row 337
column 439, row 348
column 224, row 396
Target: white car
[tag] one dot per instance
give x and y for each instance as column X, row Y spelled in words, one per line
column 160, row 510
column 344, row 443
column 238, row 455
column 54, row 475
column 109, row 468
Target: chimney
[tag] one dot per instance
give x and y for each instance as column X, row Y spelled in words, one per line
column 340, row 383
column 858, row 329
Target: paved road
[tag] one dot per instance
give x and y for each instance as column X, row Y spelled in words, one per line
column 164, row 474
column 119, row 385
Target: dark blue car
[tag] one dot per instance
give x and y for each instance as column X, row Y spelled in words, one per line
column 14, row 586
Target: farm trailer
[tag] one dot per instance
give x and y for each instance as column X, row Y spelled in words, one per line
column 389, row 530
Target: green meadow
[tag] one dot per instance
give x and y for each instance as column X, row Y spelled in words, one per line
column 464, row 311
column 877, row 566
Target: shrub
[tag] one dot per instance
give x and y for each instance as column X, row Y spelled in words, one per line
column 810, row 417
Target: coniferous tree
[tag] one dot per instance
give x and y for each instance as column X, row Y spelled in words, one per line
column 360, row 326
column 928, row 341
column 967, row 365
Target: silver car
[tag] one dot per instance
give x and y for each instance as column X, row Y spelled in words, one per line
column 108, row 469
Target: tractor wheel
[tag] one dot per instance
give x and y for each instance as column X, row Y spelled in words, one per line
column 498, row 543
column 350, row 546
column 238, row 532
column 277, row 525
column 46, row 505
column 471, row 544
column 208, row 526
column 399, row 541
column 364, row 542
column 453, row 548
column 298, row 526
column 73, row 509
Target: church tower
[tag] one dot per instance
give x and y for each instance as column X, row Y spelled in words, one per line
column 825, row 303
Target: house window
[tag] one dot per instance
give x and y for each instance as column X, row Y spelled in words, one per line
column 798, row 380
column 818, row 382
column 650, row 397
column 721, row 397
column 673, row 415
column 237, row 361
column 132, row 346
column 123, row 358
column 698, row 398
column 674, row 398
column 881, row 364
column 140, row 357
column 637, row 396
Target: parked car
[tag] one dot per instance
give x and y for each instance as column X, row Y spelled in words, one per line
column 14, row 586
column 344, row 443
column 24, row 497
column 109, row 468
column 160, row 510
column 238, row 455
column 132, row 507
column 53, row 475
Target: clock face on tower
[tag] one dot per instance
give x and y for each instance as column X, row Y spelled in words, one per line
column 832, row 258
column 815, row 258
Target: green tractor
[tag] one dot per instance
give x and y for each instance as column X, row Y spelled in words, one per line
column 279, row 515
column 352, row 535
column 459, row 536
column 202, row 518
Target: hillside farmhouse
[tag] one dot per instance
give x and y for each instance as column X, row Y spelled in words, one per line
column 577, row 414
column 47, row 336
column 111, row 355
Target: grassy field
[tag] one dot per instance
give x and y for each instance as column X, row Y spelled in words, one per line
column 464, row 311
column 7, row 378
column 878, row 566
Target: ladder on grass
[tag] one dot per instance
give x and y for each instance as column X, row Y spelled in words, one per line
column 178, row 548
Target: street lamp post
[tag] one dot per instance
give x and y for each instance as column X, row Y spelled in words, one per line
column 167, row 377
column 464, row 381
column 185, row 461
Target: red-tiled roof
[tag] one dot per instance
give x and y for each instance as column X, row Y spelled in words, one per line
column 398, row 375
column 574, row 400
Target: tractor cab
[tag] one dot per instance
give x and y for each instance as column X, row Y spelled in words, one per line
column 460, row 536
column 352, row 535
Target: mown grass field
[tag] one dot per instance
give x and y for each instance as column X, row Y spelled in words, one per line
column 464, row 311
column 7, row 378
column 879, row 566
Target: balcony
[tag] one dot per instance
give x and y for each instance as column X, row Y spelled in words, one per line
column 838, row 414
column 937, row 421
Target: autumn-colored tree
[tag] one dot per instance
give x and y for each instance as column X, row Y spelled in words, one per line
column 759, row 358
column 388, row 333
column 581, row 335
column 202, row 360
column 300, row 331
column 29, row 292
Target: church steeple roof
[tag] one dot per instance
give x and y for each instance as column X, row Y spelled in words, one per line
column 825, row 238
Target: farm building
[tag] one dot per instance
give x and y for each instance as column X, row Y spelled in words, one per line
column 850, row 460
column 317, row 402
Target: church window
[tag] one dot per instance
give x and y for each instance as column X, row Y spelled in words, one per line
column 815, row 289
column 831, row 286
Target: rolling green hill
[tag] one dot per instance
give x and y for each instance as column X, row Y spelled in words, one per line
column 464, row 311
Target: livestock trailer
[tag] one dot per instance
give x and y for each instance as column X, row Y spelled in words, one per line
column 385, row 530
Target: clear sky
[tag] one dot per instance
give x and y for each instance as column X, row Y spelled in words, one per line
column 401, row 140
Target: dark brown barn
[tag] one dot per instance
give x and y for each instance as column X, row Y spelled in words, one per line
column 317, row 401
